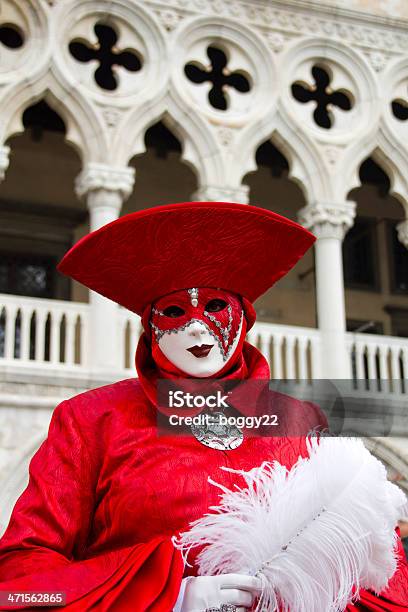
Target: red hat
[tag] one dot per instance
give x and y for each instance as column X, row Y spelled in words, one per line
column 144, row 255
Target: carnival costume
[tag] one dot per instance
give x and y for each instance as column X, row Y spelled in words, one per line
column 106, row 494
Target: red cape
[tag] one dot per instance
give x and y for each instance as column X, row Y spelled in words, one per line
column 106, row 494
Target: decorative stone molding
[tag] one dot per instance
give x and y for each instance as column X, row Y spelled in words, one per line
column 213, row 193
column 99, row 176
column 4, row 160
column 301, row 17
column 402, row 229
column 328, row 220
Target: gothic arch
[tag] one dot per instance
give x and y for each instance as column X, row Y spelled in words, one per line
column 392, row 158
column 84, row 129
column 306, row 166
column 199, row 147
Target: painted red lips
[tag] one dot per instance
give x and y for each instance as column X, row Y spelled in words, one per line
column 200, row 351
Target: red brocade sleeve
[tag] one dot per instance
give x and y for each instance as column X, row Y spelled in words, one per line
column 43, row 548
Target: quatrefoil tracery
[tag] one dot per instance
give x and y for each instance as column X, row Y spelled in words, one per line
column 325, row 97
column 219, row 75
column 107, row 54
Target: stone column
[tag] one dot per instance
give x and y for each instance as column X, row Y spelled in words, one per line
column 4, row 160
column 215, row 193
column 105, row 188
column 402, row 229
column 330, row 222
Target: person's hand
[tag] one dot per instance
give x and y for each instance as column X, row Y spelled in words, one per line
column 206, row 592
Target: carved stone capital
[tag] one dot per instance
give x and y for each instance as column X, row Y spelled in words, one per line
column 328, row 219
column 95, row 177
column 4, row 160
column 215, row 193
column 402, row 229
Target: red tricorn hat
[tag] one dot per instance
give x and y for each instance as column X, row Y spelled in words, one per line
column 144, row 255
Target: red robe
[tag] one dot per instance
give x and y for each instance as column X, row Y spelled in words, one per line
column 106, row 494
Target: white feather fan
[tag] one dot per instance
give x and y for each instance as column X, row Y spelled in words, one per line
column 314, row 534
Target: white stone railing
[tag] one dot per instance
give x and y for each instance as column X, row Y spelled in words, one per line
column 293, row 352
column 379, row 363
column 129, row 330
column 42, row 331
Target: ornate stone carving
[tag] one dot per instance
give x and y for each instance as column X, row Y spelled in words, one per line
column 402, row 229
column 276, row 41
column 225, row 136
column 294, row 20
column 215, row 193
column 100, row 176
column 111, row 115
column 332, row 154
column 377, row 59
column 327, row 219
column 169, row 19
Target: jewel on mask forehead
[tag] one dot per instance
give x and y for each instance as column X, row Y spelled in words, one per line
column 193, row 296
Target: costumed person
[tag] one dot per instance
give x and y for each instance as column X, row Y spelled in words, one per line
column 106, row 494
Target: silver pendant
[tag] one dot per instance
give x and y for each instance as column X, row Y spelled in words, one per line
column 214, row 434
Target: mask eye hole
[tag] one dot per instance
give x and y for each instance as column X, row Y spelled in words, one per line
column 173, row 312
column 216, row 305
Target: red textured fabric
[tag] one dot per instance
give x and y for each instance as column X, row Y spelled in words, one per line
column 144, row 255
column 106, row 494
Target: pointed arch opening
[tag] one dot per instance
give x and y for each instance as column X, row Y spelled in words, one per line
column 375, row 262
column 272, row 188
column 162, row 177
column 40, row 215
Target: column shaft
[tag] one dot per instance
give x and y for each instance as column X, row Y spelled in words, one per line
column 331, row 314
column 105, row 190
column 329, row 222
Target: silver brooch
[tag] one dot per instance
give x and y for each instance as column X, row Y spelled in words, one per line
column 217, row 434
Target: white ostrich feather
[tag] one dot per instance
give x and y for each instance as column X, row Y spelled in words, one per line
column 314, row 534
